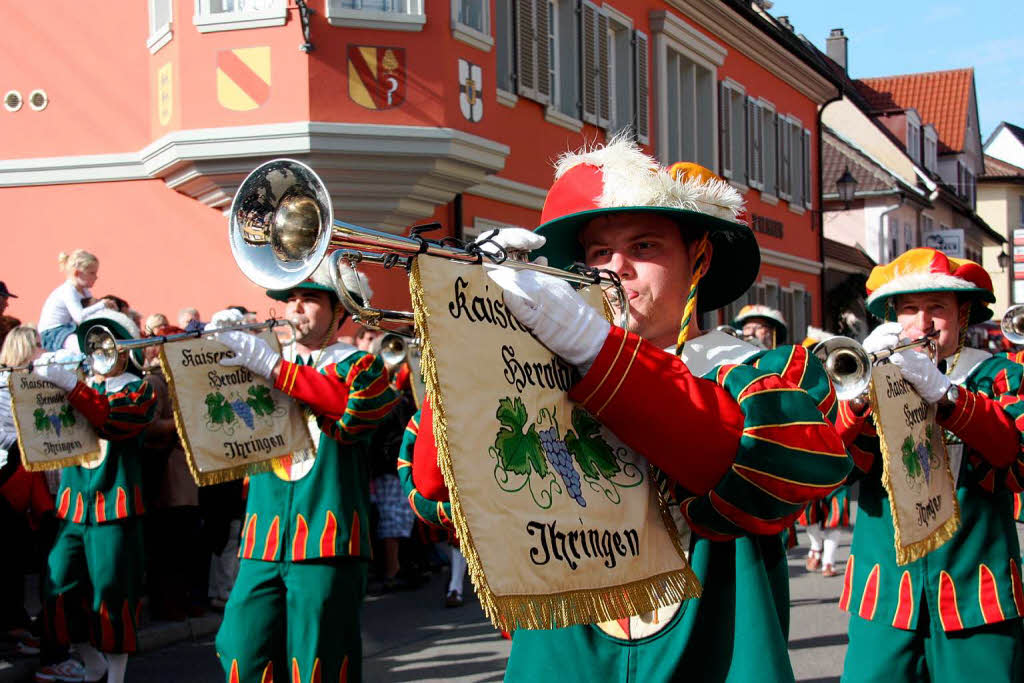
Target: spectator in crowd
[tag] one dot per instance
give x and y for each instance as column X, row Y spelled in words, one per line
column 68, row 304
column 188, row 320
column 364, row 338
column 7, row 323
column 248, row 316
column 5, row 295
column 155, row 322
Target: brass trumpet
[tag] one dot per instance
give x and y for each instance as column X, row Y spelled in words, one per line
column 1012, row 324
column 849, row 366
column 282, row 226
column 103, row 349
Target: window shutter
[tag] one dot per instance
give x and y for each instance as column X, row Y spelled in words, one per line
column 724, row 119
column 753, row 145
column 603, row 71
column 526, row 64
column 785, row 150
column 808, row 200
column 542, row 51
column 642, row 87
column 588, row 62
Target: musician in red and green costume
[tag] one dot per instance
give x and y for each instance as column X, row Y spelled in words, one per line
column 97, row 558
column 741, row 435
column 955, row 614
column 293, row 613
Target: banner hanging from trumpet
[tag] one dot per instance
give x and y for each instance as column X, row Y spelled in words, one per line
column 557, row 518
column 231, row 422
column 915, row 466
column 51, row 433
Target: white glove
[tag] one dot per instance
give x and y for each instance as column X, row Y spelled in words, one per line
column 511, row 240
column 49, row 368
column 918, row 369
column 250, row 351
column 884, row 336
column 225, row 318
column 558, row 316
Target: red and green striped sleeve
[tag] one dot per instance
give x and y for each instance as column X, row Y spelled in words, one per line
column 789, row 455
column 369, row 400
column 800, row 368
column 433, row 512
column 120, row 415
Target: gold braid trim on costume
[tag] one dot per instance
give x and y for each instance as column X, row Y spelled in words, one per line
column 555, row 610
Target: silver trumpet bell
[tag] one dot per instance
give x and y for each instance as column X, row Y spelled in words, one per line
column 393, row 349
column 282, row 226
column 1012, row 324
column 849, row 366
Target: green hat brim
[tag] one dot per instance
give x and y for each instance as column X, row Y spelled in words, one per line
column 735, row 260
column 880, row 307
column 282, row 294
column 118, row 330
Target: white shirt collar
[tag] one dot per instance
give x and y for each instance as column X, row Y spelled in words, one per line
column 712, row 349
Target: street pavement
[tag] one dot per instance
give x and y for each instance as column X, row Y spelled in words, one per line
column 411, row 636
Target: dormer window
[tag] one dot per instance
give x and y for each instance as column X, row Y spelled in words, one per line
column 914, row 136
column 931, row 149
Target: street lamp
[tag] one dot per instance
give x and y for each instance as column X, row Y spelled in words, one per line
column 847, row 187
column 1003, row 260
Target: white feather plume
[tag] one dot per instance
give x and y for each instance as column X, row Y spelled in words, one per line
column 632, row 178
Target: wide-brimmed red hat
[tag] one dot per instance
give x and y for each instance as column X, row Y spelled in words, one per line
column 929, row 270
column 620, row 178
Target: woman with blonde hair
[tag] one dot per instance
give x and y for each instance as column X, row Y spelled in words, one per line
column 71, row 302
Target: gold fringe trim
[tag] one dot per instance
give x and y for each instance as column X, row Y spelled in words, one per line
column 204, row 478
column 905, row 554
column 61, row 463
column 554, row 610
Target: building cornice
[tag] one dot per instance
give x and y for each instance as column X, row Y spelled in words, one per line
column 727, row 25
column 387, row 176
column 784, row 260
column 510, row 192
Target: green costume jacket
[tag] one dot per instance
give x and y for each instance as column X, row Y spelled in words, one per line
column 786, row 455
column 436, row 513
column 315, row 506
column 110, row 488
column 975, row 577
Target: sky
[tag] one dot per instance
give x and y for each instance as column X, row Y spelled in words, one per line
column 890, row 37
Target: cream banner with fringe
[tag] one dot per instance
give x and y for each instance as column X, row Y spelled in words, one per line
column 51, row 434
column 915, row 466
column 231, row 422
column 557, row 518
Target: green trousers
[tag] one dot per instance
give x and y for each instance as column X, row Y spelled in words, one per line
column 93, row 584
column 294, row 621
column 883, row 654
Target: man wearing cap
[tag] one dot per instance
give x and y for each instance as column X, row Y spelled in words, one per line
column 672, row 237
column 953, row 615
column 98, row 551
column 763, row 323
column 293, row 613
column 5, row 294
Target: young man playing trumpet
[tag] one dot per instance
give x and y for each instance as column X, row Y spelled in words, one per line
column 293, row 613
column 97, row 558
column 742, row 446
column 953, row 615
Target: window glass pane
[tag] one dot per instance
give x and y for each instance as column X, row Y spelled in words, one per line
column 160, row 14
column 220, row 6
column 503, row 43
column 621, row 86
column 691, row 129
column 738, row 139
column 768, row 149
column 471, row 13
column 568, row 59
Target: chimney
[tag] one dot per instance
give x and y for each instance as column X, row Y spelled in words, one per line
column 836, row 47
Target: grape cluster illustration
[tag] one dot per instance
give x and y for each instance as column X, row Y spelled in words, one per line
column 558, row 455
column 244, row 411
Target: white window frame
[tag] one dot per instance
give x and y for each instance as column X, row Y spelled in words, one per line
column 914, row 136
column 208, row 22
column 671, row 32
column 620, row 23
column 482, row 40
column 411, row 20
column 931, row 149
column 160, row 35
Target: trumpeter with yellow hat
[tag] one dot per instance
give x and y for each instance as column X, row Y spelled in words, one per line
column 674, row 238
column 954, row 614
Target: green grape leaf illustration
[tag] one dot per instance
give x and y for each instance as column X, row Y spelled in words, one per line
column 219, row 409
column 910, row 461
column 260, row 400
column 591, row 451
column 67, row 416
column 518, row 450
column 42, row 424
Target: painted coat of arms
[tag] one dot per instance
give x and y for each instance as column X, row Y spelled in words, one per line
column 376, row 76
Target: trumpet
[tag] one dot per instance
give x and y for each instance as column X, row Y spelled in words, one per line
column 733, row 332
column 282, row 227
column 849, row 366
column 70, row 363
column 393, row 349
column 103, row 349
column 1012, row 324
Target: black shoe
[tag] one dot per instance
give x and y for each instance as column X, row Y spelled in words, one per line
column 454, row 599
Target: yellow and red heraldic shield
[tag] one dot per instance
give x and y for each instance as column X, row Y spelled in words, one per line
column 376, row 76
column 243, row 78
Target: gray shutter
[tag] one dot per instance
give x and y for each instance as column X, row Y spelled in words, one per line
column 751, row 151
column 526, row 53
column 643, row 109
column 785, row 153
column 724, row 128
column 603, row 67
column 808, row 203
column 542, row 50
column 588, row 62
